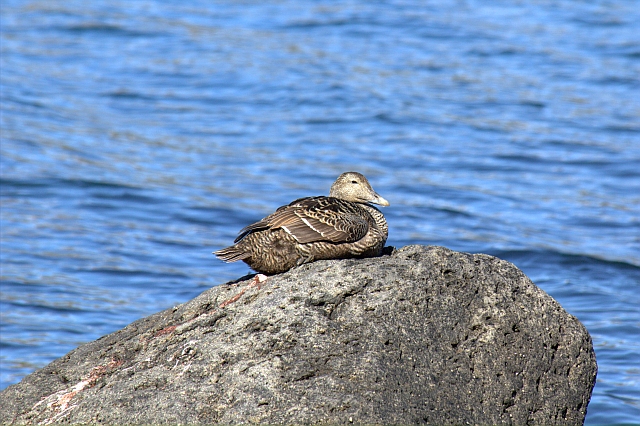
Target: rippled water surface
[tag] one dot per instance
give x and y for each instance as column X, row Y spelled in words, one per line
column 137, row 137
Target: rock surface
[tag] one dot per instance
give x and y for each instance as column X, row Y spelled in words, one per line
column 424, row 334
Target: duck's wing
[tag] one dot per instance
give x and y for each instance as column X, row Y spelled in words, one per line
column 315, row 219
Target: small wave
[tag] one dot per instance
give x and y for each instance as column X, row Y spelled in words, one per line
column 56, row 182
column 315, row 23
column 537, row 256
column 121, row 272
column 126, row 94
column 104, row 28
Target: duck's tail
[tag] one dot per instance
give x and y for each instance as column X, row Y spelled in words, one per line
column 232, row 254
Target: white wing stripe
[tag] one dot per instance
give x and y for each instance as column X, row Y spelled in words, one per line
column 290, row 233
column 306, row 222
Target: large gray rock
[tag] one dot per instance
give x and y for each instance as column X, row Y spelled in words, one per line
column 422, row 335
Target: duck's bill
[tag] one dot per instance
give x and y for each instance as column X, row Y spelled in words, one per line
column 380, row 201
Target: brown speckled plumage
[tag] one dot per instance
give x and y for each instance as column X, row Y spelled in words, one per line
column 339, row 226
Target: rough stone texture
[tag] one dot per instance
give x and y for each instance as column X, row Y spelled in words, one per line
column 422, row 335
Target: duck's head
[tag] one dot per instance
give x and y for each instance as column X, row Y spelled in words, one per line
column 354, row 187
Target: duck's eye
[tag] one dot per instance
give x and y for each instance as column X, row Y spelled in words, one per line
column 354, row 181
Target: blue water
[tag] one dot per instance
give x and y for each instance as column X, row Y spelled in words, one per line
column 137, row 137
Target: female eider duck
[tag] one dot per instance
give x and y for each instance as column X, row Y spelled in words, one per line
column 342, row 225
